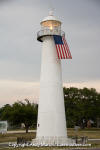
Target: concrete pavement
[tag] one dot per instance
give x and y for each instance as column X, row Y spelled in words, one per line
column 20, row 131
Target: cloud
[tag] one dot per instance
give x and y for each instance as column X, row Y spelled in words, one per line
column 18, row 90
column 11, row 91
column 20, row 21
column 88, row 84
column 20, row 52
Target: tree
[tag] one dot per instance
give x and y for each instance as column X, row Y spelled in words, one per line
column 81, row 105
column 21, row 112
column 5, row 112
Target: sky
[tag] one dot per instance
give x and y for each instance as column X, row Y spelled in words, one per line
column 20, row 52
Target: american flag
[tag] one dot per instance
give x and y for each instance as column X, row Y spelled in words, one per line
column 62, row 48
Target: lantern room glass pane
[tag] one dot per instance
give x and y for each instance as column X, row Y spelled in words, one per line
column 51, row 24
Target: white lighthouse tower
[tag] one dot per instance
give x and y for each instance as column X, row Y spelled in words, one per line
column 51, row 125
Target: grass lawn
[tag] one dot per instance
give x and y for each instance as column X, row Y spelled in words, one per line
column 42, row 148
column 12, row 137
column 46, row 148
column 90, row 133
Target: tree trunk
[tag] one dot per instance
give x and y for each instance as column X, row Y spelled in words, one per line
column 98, row 122
column 26, row 127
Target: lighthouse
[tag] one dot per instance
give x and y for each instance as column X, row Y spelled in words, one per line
column 51, row 124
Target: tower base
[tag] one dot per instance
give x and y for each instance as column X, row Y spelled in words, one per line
column 53, row 141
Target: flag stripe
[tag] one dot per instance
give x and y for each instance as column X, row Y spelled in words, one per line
column 66, row 48
column 69, row 54
column 62, row 48
column 62, row 51
column 57, row 52
column 65, row 52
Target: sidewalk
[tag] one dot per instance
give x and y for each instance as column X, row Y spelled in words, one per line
column 20, row 131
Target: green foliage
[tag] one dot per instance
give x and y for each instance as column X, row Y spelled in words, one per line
column 81, row 104
column 5, row 112
column 20, row 112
